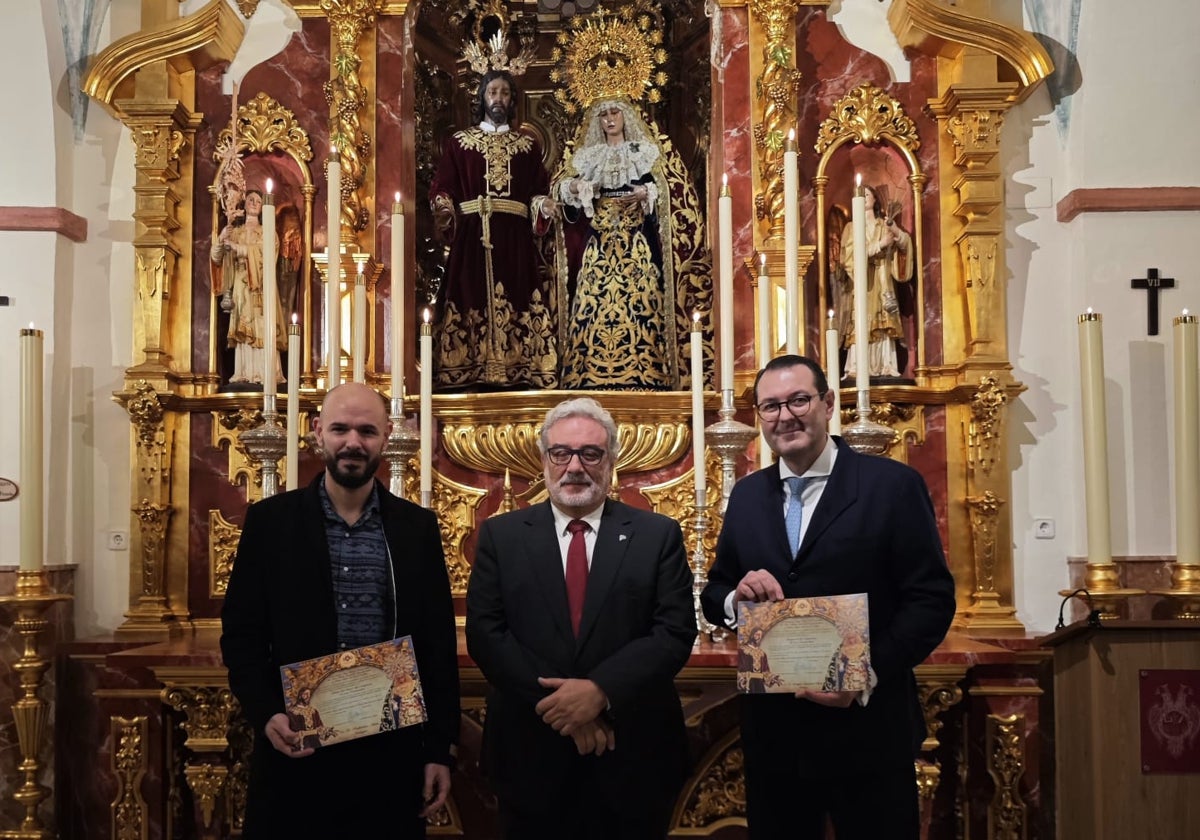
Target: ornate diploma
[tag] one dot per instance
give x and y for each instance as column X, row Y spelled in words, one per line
column 353, row 693
column 804, row 643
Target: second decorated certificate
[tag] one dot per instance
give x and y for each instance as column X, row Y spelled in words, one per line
column 820, row 643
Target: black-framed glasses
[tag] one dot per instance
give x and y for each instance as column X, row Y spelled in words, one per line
column 797, row 404
column 589, row 455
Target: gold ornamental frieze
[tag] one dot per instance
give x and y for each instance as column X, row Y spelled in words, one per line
column 717, row 796
column 207, row 710
column 128, row 737
column 513, row 446
column 265, row 126
column 223, row 537
column 1005, row 740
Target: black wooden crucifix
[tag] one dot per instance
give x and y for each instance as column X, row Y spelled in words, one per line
column 1152, row 283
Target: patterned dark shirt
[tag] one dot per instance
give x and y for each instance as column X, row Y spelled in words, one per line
column 362, row 584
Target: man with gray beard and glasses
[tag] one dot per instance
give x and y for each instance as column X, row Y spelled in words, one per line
column 579, row 614
column 337, row 565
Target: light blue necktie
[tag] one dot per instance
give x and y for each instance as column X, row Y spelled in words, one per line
column 795, row 511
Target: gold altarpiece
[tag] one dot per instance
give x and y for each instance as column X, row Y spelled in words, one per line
column 191, row 479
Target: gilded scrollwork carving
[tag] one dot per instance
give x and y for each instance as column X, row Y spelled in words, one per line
column 152, row 520
column 265, row 126
column 868, row 115
column 455, row 505
column 976, row 132
column 223, row 539
column 146, row 412
column 207, row 711
column 985, row 521
column 227, row 430
column 987, row 415
column 676, row 498
column 158, row 146
column 1007, row 819
column 129, row 765
column 718, row 796
column 206, row 780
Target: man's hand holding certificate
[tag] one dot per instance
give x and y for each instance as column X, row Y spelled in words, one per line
column 818, row 648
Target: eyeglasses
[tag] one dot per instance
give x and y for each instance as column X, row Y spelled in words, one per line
column 797, row 404
column 562, row 455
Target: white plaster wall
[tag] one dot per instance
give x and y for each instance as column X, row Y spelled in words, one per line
column 1132, row 124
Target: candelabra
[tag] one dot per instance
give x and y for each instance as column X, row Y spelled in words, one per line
column 729, row 438
column 700, row 575
column 402, row 444
column 30, row 712
column 864, row 434
column 266, row 444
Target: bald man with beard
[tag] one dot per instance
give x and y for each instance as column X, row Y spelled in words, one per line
column 337, row 565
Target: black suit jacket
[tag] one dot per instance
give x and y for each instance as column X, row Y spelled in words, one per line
column 636, row 633
column 279, row 609
column 873, row 531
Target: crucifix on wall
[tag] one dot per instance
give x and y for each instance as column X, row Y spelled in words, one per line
column 1152, row 283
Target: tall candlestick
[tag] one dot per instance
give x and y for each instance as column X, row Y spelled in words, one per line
column 791, row 240
column 862, row 338
column 833, row 374
column 697, row 347
column 725, row 227
column 31, row 455
column 359, row 325
column 270, row 296
column 398, row 298
column 292, row 480
column 426, row 411
column 1187, row 442
column 766, row 343
column 333, row 284
column 1095, row 438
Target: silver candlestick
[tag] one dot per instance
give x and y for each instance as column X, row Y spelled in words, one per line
column 265, row 445
column 729, row 438
column 864, row 434
column 402, row 444
column 700, row 575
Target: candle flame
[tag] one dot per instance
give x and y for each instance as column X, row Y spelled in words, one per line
column 791, row 134
column 858, row 179
column 270, row 185
column 1185, row 312
column 695, row 317
column 397, row 196
column 295, row 319
column 1089, row 310
column 31, row 325
column 725, row 179
column 425, row 313
column 831, row 314
column 360, row 264
column 762, row 261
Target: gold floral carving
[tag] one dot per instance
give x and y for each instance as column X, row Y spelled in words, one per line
column 777, row 88
column 455, row 505
column 223, row 539
column 207, row 710
column 1006, row 763
column 494, row 448
column 983, row 436
column 676, row 499
column 152, row 522
column 206, row 781
column 348, row 98
column 717, row 797
column 609, row 56
column 868, row 115
column 146, row 412
column 227, row 430
column 158, row 147
column 265, row 126
column 129, row 764
column 985, row 520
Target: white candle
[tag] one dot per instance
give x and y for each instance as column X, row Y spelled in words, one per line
column 30, row 498
column 270, row 293
column 398, row 298
column 1187, row 442
column 862, row 339
column 725, row 227
column 359, row 326
column 791, row 240
column 426, row 410
column 832, row 374
column 697, row 347
column 293, row 405
column 765, row 343
column 333, row 279
column 1095, row 438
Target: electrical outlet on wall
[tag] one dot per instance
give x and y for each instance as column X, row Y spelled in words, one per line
column 118, row 540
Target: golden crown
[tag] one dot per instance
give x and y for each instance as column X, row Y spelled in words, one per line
column 485, row 52
column 609, row 56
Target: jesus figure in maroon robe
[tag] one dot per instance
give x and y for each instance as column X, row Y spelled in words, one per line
column 490, row 198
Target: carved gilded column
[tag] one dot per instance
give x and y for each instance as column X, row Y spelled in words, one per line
column 130, row 812
column 938, row 690
column 1007, row 817
column 350, row 93
column 208, row 707
column 777, row 86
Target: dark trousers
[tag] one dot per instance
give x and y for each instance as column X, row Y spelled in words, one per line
column 584, row 818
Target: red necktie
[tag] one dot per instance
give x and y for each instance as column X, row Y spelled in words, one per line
column 577, row 570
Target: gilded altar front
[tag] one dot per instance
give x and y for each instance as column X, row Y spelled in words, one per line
column 382, row 80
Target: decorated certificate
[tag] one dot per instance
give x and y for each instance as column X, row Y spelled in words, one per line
column 803, row 643
column 353, row 693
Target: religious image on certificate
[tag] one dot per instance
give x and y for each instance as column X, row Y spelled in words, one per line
column 353, row 693
column 819, row 643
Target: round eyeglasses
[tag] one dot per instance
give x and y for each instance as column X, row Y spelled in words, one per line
column 797, row 404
